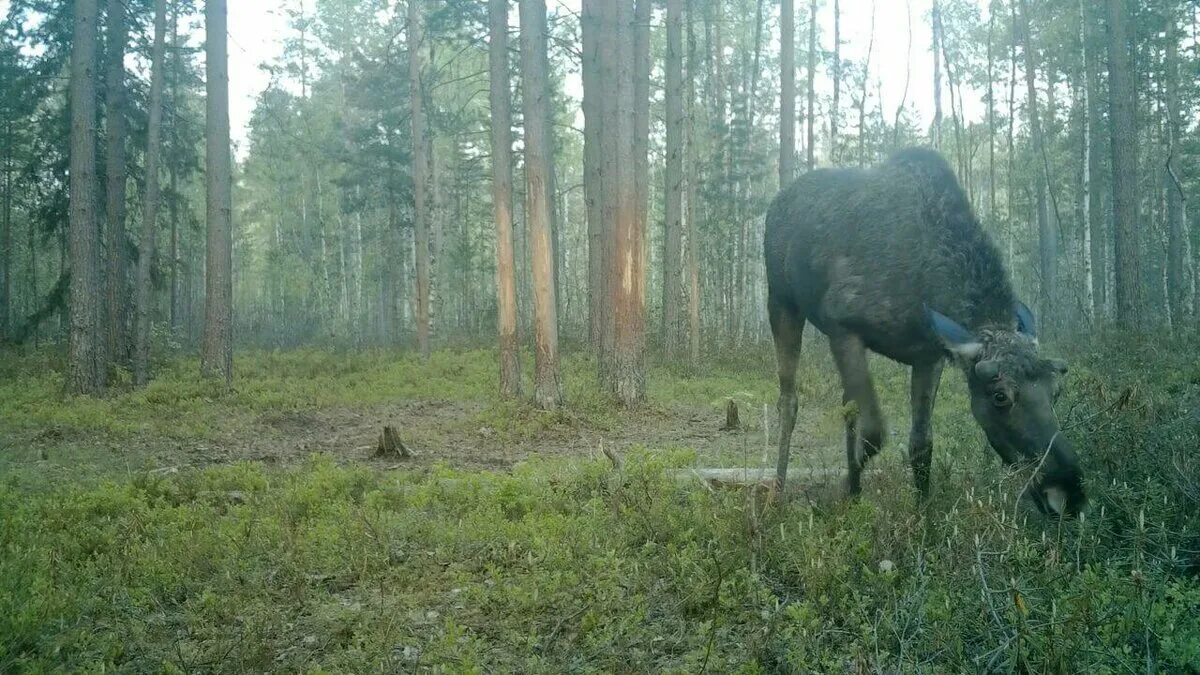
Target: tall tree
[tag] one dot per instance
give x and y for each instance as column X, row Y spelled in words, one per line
column 146, row 251
column 787, row 92
column 692, row 177
column 420, row 172
column 593, row 168
column 502, row 179
column 1094, row 169
column 116, row 278
column 1176, row 204
column 835, row 106
column 216, row 355
column 535, row 88
column 810, row 110
column 85, row 367
column 936, row 30
column 629, row 293
column 673, row 224
column 1127, row 258
column 641, row 109
column 1047, row 237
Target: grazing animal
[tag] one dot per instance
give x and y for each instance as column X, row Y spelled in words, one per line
column 891, row 259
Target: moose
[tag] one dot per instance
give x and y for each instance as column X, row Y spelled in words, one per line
column 892, row 259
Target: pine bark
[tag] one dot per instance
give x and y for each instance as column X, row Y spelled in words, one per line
column 1047, row 239
column 216, row 356
column 692, row 178
column 936, row 26
column 1096, row 227
column 629, row 292
column 85, row 371
column 1127, row 259
column 420, row 172
column 810, row 109
column 787, row 93
column 1176, row 204
column 502, row 179
column 535, row 89
column 673, row 235
column 146, row 254
column 593, row 168
column 835, row 108
column 116, row 276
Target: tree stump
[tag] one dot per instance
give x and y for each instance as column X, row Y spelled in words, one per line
column 732, row 423
column 390, row 446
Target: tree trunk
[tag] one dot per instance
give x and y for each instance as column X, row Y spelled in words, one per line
column 907, row 76
column 862, row 101
column 787, row 93
column 673, row 234
column 1176, row 204
column 837, row 82
column 629, row 293
column 420, row 170
column 141, row 357
column 1127, row 259
column 116, row 292
column 535, row 89
column 936, row 27
column 610, row 46
column 1094, row 212
column 1047, row 239
column 810, row 109
column 991, row 111
column 216, row 357
column 85, row 369
column 6, row 256
column 173, row 202
column 501, row 120
column 641, row 111
column 593, row 169
column 692, row 177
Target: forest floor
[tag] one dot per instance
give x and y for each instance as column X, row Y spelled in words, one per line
column 186, row 528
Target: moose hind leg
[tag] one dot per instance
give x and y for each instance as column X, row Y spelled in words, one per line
column 787, row 328
column 924, row 388
column 864, row 420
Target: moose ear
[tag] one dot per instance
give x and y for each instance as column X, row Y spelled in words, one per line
column 957, row 340
column 1025, row 323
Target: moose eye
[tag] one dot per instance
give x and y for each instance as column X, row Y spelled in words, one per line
column 1000, row 399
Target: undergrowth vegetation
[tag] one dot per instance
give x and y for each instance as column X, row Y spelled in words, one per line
column 581, row 565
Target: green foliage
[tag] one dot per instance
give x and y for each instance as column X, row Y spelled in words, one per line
column 573, row 565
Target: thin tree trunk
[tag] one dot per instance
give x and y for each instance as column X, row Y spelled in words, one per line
column 501, row 120
column 141, row 357
column 787, row 93
column 991, row 111
column 1127, row 258
column 837, row 82
column 810, row 110
column 593, row 169
column 610, row 46
column 85, row 370
column 673, row 234
column 420, row 175
column 862, row 101
column 907, row 77
column 691, row 172
column 936, row 27
column 1047, row 240
column 216, row 357
column 535, row 89
column 172, row 204
column 6, row 256
column 1176, row 204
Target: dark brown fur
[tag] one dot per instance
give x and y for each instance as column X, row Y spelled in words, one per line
column 864, row 254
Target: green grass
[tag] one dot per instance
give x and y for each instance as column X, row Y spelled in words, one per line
column 570, row 565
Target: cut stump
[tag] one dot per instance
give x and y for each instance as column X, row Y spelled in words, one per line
column 732, row 423
column 390, row 445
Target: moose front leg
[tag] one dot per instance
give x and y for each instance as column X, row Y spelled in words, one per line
column 864, row 420
column 925, row 380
